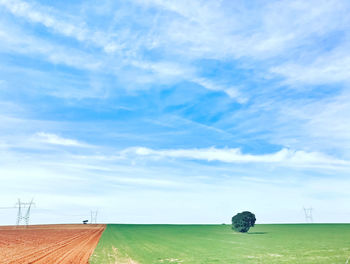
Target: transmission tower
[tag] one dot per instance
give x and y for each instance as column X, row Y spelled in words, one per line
column 308, row 214
column 94, row 217
column 23, row 211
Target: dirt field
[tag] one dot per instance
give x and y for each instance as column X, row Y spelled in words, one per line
column 48, row 243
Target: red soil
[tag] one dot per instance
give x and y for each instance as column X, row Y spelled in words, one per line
column 49, row 244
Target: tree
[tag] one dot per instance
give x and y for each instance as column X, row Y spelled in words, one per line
column 241, row 222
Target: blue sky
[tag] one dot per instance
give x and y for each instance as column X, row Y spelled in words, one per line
column 175, row 111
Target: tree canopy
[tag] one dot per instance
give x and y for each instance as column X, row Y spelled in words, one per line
column 242, row 222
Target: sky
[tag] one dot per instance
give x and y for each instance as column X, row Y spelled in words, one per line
column 160, row 111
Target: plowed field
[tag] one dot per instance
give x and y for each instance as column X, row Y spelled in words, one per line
column 48, row 243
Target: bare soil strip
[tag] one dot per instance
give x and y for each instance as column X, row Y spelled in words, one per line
column 48, row 243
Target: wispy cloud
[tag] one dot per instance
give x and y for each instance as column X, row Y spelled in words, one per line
column 210, row 32
column 330, row 69
column 17, row 41
column 59, row 23
column 54, row 139
column 284, row 157
column 233, row 92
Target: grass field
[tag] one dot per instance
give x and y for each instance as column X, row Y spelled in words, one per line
column 298, row 243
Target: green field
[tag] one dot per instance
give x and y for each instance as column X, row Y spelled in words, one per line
column 294, row 243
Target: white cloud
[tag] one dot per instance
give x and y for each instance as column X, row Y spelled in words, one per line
column 321, row 125
column 197, row 30
column 161, row 71
column 220, row 29
column 161, row 186
column 326, row 69
column 284, row 157
column 59, row 23
column 57, row 140
column 232, row 92
column 18, row 41
column 204, row 29
column 284, row 33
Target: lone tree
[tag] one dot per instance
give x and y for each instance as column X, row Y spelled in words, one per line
column 241, row 222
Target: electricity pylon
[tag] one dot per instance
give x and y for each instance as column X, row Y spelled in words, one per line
column 23, row 211
column 94, row 217
column 308, row 214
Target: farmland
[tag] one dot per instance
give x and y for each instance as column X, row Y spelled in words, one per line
column 295, row 243
column 48, row 243
column 151, row 244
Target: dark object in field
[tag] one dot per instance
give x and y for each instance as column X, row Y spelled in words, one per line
column 241, row 222
column 85, row 222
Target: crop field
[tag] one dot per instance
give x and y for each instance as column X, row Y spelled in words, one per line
column 45, row 244
column 294, row 243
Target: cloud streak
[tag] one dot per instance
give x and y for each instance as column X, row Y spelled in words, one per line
column 284, row 157
column 58, row 23
column 54, row 139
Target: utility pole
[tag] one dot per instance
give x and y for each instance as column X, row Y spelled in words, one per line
column 23, row 213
